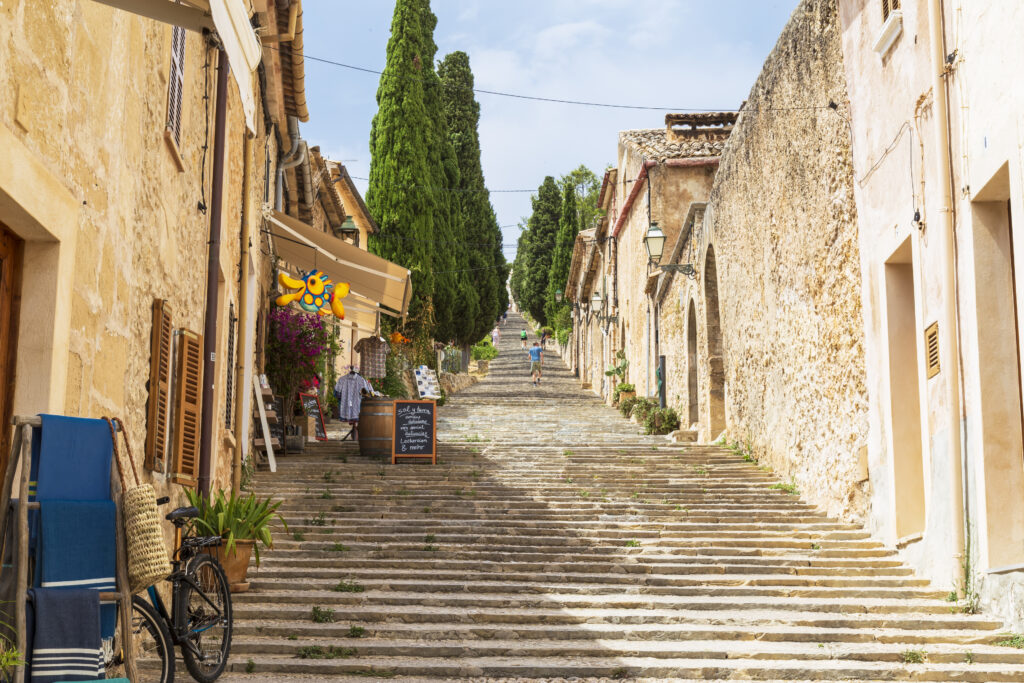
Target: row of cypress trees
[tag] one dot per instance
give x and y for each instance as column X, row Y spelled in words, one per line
column 427, row 191
column 560, row 210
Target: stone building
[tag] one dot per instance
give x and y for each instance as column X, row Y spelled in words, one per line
column 937, row 155
column 128, row 150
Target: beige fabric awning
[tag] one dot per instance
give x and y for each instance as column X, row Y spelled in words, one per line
column 375, row 284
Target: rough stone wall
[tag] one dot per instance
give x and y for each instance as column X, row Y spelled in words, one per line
column 90, row 96
column 782, row 223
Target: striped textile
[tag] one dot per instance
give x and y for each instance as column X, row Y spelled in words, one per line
column 65, row 628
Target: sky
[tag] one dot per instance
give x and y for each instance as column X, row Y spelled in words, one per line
column 675, row 54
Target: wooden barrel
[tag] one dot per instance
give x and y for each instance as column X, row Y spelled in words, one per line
column 376, row 424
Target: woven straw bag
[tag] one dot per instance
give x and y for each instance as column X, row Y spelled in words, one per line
column 144, row 541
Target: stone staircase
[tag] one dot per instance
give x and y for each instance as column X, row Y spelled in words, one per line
column 552, row 541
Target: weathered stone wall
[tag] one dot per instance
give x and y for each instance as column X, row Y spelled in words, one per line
column 88, row 87
column 781, row 231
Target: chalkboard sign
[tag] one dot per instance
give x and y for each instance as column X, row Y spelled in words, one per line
column 415, row 430
column 311, row 405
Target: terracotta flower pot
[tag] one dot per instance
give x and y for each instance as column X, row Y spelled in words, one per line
column 236, row 564
column 623, row 395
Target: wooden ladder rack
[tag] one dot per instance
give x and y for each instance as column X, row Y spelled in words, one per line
column 21, row 447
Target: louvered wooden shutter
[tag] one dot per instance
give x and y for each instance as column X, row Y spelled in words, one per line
column 175, row 83
column 159, row 380
column 888, row 6
column 931, row 349
column 187, row 400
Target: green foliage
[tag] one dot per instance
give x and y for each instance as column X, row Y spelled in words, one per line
column 235, row 518
column 568, row 226
column 329, row 652
column 484, row 350
column 641, row 407
column 355, row 632
column 322, row 615
column 480, row 237
column 562, row 335
column 587, row 186
column 626, row 405
column 297, row 343
column 348, row 587
column 621, row 387
column 789, row 488
column 661, row 421
column 1011, row 640
column 393, row 384
column 532, row 268
column 619, row 369
column 913, row 656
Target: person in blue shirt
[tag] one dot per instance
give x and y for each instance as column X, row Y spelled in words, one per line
column 536, row 358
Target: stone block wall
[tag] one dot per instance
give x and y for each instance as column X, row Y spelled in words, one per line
column 780, row 234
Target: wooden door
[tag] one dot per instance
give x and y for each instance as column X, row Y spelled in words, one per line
column 11, row 254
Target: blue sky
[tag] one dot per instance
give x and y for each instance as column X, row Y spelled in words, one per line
column 658, row 53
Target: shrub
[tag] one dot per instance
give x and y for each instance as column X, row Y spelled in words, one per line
column 626, row 405
column 661, row 421
column 562, row 336
column 642, row 407
column 484, row 350
column 620, row 388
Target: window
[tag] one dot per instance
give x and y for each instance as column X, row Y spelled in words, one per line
column 175, row 83
column 888, row 7
column 159, row 380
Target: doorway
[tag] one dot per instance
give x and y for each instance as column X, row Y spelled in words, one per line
column 904, row 392
column 12, row 250
column 693, row 406
column 716, row 363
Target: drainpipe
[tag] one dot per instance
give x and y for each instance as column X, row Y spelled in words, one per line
column 950, row 353
column 243, row 314
column 307, row 176
column 212, row 275
column 292, row 159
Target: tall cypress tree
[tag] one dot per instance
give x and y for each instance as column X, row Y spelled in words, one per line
column 540, row 247
column 479, row 232
column 568, row 226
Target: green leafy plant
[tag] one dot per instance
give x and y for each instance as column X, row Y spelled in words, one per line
column 626, row 405
column 1011, row 640
column 619, row 369
column 319, row 520
column 299, row 536
column 622, row 387
column 641, row 408
column 484, row 350
column 235, row 517
column 789, row 488
column 661, row 421
column 339, row 547
column 633, row 543
column 322, row 615
column 913, row 656
column 250, row 666
column 330, row 652
column 355, row 632
column 348, row 587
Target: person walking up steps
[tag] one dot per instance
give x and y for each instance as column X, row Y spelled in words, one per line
column 522, row 338
column 536, row 358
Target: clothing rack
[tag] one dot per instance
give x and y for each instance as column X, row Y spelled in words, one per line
column 21, row 449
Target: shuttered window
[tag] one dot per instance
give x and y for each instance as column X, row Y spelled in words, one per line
column 230, row 364
column 888, row 7
column 159, row 382
column 175, row 83
column 931, row 349
column 187, row 400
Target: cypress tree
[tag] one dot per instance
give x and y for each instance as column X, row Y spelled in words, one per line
column 540, row 245
column 479, row 233
column 568, row 226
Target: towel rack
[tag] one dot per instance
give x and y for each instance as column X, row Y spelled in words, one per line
column 21, row 447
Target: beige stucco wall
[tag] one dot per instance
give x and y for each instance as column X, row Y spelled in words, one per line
column 88, row 107
column 781, row 224
column 892, row 107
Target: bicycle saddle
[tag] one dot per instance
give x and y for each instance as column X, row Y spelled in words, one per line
column 182, row 513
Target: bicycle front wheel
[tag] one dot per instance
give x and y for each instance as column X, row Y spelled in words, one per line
column 207, row 634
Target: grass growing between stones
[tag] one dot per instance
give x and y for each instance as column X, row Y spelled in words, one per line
column 355, row 632
column 632, row 543
column 299, row 536
column 348, row 587
column 331, row 652
column 1011, row 640
column 322, row 615
column 338, row 547
column 789, row 488
column 319, row 520
column 913, row 656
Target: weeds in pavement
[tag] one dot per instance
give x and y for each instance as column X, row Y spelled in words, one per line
column 355, row 632
column 338, row 547
column 322, row 615
column 913, row 656
column 348, row 587
column 330, row 652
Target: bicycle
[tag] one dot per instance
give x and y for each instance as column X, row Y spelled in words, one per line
column 200, row 620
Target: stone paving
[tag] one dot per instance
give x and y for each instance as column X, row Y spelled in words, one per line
column 553, row 541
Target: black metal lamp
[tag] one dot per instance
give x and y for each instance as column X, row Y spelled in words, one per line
column 558, row 295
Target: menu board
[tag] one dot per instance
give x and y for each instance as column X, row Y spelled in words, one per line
column 311, row 405
column 415, row 430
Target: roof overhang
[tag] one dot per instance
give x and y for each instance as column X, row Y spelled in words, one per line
column 230, row 20
column 375, row 284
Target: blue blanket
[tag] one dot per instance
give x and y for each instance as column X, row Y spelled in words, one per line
column 78, row 550
column 71, row 459
column 65, row 636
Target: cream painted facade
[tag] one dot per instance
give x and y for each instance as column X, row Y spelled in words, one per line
column 927, row 488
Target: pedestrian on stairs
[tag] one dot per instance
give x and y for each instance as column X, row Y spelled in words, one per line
column 522, row 338
column 495, row 336
column 536, row 358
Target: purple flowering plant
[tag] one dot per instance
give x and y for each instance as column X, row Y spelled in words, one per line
column 296, row 342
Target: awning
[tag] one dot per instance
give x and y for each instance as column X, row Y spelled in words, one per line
column 230, row 19
column 376, row 284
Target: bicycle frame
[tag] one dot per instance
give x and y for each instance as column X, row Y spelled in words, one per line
column 178, row 619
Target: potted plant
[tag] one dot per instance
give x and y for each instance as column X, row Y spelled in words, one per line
column 624, row 391
column 617, row 372
column 243, row 522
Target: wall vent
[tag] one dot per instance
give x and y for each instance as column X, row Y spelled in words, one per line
column 931, row 349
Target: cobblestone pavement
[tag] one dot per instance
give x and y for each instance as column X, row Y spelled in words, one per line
column 553, row 541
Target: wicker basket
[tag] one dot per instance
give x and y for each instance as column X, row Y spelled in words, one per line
column 147, row 555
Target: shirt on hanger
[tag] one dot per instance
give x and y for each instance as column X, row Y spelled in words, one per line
column 373, row 353
column 348, row 390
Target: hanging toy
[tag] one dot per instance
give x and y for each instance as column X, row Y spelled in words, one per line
column 316, row 293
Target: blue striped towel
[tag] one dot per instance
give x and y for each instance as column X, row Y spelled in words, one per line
column 65, row 630
column 71, row 459
column 77, row 550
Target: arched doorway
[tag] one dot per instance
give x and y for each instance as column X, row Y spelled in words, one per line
column 691, row 366
column 716, row 363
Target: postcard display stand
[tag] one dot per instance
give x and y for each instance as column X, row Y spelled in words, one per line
column 426, row 383
column 22, row 448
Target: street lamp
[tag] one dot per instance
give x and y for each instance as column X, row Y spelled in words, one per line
column 654, row 240
column 596, row 302
column 558, row 295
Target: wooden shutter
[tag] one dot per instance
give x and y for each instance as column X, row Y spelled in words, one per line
column 889, row 6
column 187, row 403
column 931, row 349
column 229, row 394
column 175, row 83
column 159, row 381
